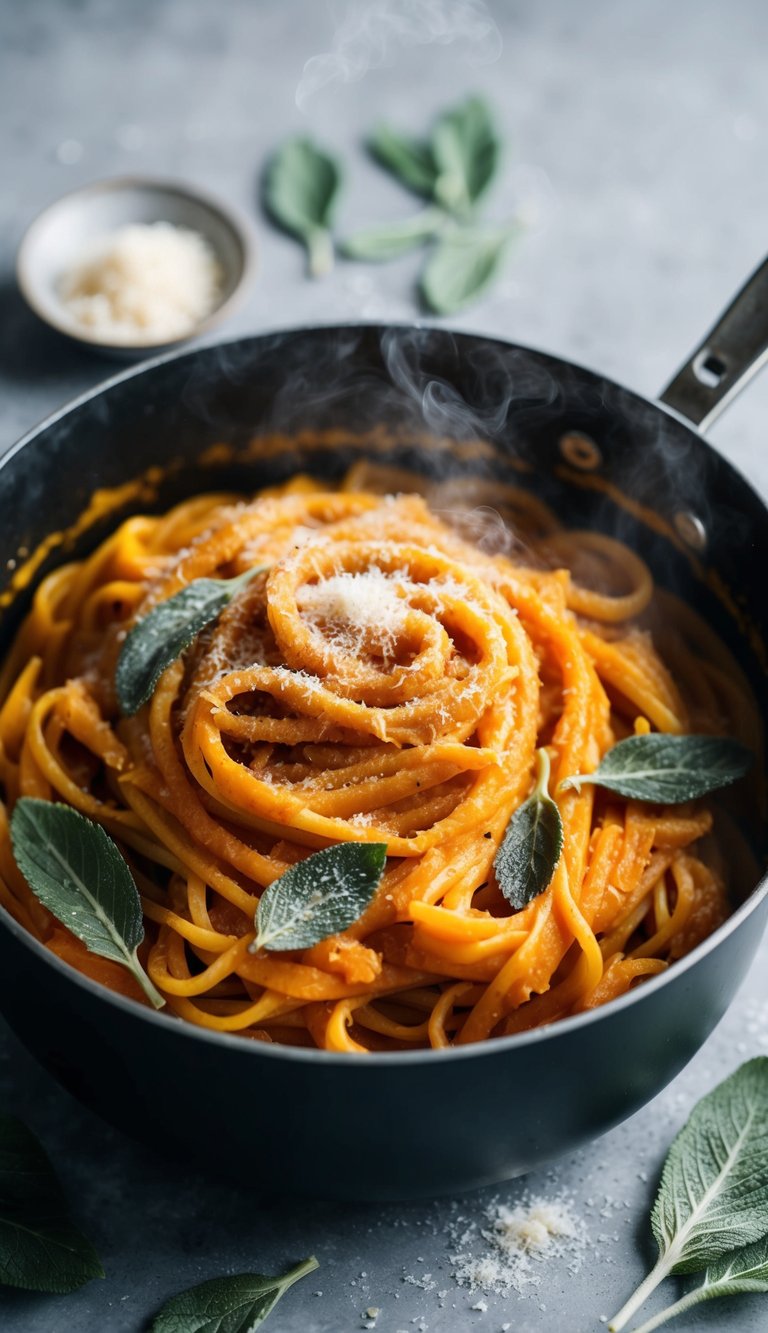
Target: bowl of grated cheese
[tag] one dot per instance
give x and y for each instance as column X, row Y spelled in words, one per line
column 134, row 265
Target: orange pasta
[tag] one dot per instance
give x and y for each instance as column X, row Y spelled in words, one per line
column 383, row 679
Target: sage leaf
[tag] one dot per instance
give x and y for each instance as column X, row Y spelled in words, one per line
column 466, row 151
column 41, row 1249
column 159, row 637
column 713, row 1196
column 463, row 264
column 737, row 1274
column 76, row 871
column 238, row 1304
column 412, row 162
column 532, row 845
column 394, row 238
column 668, row 769
column 319, row 896
column 300, row 192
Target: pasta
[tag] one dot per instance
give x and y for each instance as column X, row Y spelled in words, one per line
column 387, row 677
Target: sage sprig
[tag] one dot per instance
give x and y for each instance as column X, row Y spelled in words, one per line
column 77, row 872
column 159, row 637
column 532, row 845
column 238, row 1304
column 41, row 1248
column 741, row 1273
column 713, row 1196
column 301, row 188
column 668, row 769
column 320, row 896
column 453, row 169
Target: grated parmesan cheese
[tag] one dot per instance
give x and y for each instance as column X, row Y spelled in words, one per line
column 144, row 283
column 357, row 606
column 517, row 1240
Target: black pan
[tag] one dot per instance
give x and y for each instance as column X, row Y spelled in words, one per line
column 441, row 403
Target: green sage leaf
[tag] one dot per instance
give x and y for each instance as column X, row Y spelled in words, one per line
column 319, row 896
column 668, row 769
column 238, row 1304
column 741, row 1273
column 737, row 1269
column 41, row 1249
column 463, row 264
column 77, row 872
column 301, row 188
column 394, row 238
column 713, row 1196
column 466, row 150
column 532, row 845
column 412, row 162
column 164, row 632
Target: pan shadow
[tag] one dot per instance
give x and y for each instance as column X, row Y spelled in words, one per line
column 37, row 357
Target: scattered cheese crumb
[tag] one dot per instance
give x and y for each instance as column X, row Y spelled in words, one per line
column 143, row 283
column 516, row 1240
column 426, row 1282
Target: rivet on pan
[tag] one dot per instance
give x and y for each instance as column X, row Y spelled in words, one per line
column 691, row 529
column 580, row 451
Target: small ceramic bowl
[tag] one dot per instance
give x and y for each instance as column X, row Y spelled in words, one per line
column 58, row 237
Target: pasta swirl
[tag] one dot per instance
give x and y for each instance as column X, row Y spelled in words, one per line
column 381, row 679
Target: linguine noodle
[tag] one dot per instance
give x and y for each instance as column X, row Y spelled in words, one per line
column 384, row 679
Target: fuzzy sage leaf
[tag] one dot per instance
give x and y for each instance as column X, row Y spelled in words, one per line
column 41, row 1249
column 740, row 1273
column 394, row 238
column 532, row 844
column 466, row 150
column 77, row 872
column 164, row 632
column 319, row 896
column 300, row 191
column 713, row 1196
column 412, row 162
column 238, row 1304
column 668, row 769
column 462, row 265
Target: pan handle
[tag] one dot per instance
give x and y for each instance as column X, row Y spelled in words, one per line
column 732, row 352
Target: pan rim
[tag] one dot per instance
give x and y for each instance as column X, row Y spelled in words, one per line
column 213, row 344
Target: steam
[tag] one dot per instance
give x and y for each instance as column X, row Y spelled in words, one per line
column 370, row 32
column 480, row 524
column 409, row 379
column 402, row 384
column 493, row 377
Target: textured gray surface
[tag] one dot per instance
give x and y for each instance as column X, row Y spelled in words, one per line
column 638, row 138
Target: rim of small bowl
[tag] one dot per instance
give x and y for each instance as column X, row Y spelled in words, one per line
column 489, row 1045
column 232, row 218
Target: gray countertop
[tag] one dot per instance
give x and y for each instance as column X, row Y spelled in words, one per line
column 637, row 140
